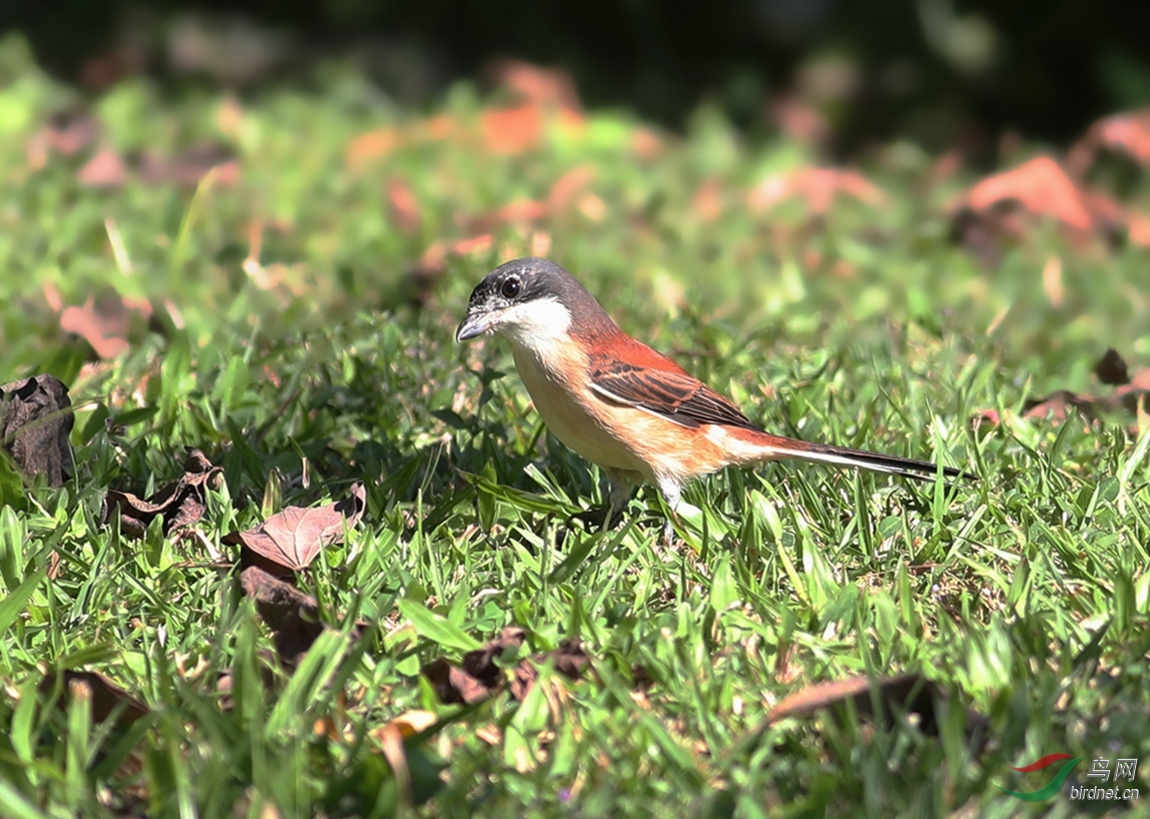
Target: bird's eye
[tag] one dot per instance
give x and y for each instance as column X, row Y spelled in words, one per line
column 511, row 288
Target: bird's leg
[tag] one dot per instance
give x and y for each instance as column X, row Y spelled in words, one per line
column 672, row 492
column 620, row 491
column 620, row 487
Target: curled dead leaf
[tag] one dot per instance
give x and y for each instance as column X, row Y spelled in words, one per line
column 182, row 503
column 37, row 419
column 1003, row 205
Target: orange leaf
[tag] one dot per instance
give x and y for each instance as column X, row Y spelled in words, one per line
column 1042, row 187
column 511, row 130
column 405, row 210
column 105, row 323
column 818, row 187
column 371, row 145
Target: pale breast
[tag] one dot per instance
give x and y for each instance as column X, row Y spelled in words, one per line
column 575, row 417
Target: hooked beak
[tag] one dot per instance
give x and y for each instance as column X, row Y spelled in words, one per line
column 473, row 325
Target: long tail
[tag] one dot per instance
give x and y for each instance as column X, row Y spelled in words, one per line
column 776, row 448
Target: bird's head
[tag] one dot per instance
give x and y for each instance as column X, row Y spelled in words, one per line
column 528, row 301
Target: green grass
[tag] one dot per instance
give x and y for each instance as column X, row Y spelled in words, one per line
column 1026, row 596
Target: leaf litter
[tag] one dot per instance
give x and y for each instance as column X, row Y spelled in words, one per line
column 290, row 540
column 182, row 503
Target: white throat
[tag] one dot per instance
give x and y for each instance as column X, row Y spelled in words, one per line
column 539, row 326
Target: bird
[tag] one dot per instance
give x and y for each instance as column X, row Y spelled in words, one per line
column 620, row 404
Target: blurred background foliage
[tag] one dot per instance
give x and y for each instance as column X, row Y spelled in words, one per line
column 943, row 73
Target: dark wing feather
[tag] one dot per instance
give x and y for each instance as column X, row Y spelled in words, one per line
column 674, row 395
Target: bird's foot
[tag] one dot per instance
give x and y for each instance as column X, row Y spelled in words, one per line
column 598, row 518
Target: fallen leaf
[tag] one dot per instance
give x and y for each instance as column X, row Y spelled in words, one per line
column 511, row 130
column 569, row 659
column 405, row 212
column 1111, row 369
column 1130, row 395
column 37, row 420
column 546, row 88
column 107, row 697
column 289, row 541
column 904, row 694
column 105, row 323
column 66, row 133
column 410, row 723
column 478, row 676
column 521, row 210
column 563, row 191
column 292, row 616
column 106, row 169
column 182, row 503
column 1127, row 134
column 818, row 187
column 190, row 166
column 799, row 120
column 991, row 210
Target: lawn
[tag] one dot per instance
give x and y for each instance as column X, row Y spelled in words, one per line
column 291, row 315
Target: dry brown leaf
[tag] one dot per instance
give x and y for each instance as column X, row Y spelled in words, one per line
column 1111, row 369
column 182, row 503
column 292, row 616
column 800, row 121
column 105, row 323
column 998, row 206
column 405, row 210
column 1128, row 396
column 107, row 697
column 547, row 88
column 521, row 210
column 479, row 676
column 66, row 133
column 410, row 723
column 37, row 419
column 511, row 130
column 290, row 540
column 106, row 169
column 563, row 191
column 1127, row 133
column 191, row 166
column 908, row 693
column 818, row 187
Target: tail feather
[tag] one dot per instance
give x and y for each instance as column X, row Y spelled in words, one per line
column 780, row 448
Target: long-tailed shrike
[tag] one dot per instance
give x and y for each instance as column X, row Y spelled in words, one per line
column 640, row 416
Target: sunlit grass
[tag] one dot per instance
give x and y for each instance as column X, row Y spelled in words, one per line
column 1024, row 595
